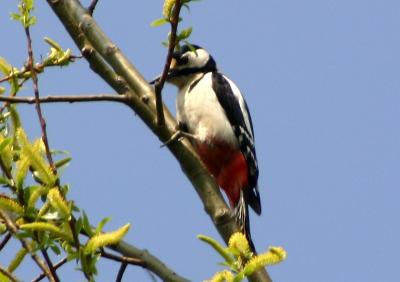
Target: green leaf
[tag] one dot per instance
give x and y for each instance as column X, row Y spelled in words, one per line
column 86, row 225
column 4, row 143
column 2, row 90
column 53, row 43
column 62, row 163
column 17, row 260
column 5, row 67
column 31, row 21
column 52, row 229
column 218, row 247
column 159, row 22
column 55, row 249
column 184, row 34
column 15, row 16
column 100, row 226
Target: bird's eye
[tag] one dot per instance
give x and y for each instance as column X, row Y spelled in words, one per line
column 183, row 60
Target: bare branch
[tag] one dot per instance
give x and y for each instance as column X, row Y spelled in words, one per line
column 37, row 103
column 7, row 238
column 123, row 259
column 92, row 6
column 56, row 266
column 50, row 264
column 159, row 84
column 12, row 227
column 151, row 262
column 67, row 99
column 8, row 274
column 121, row 272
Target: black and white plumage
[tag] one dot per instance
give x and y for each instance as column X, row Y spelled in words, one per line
column 213, row 110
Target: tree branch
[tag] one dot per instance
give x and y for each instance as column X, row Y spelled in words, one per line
column 67, row 99
column 123, row 259
column 14, row 229
column 107, row 60
column 5, row 240
column 151, row 262
column 8, row 274
column 50, row 264
column 121, row 272
column 159, row 84
column 42, row 121
column 56, row 266
column 92, row 6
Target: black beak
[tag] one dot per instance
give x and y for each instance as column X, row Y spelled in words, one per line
column 155, row 80
column 171, row 73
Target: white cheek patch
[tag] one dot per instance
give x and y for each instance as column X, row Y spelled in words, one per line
column 198, row 59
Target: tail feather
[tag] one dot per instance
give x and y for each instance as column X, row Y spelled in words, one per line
column 243, row 220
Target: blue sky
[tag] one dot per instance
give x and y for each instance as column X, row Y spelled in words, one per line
column 322, row 82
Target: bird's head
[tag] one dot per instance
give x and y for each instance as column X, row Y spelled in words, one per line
column 189, row 61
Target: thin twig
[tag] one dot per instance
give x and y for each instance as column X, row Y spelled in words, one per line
column 5, row 240
column 159, row 85
column 7, row 173
column 67, row 99
column 92, row 6
column 9, row 275
column 123, row 259
column 56, row 266
column 50, row 264
column 38, row 107
column 121, row 272
column 14, row 229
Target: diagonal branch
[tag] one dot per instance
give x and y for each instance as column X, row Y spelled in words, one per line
column 8, row 274
column 109, row 62
column 56, row 266
column 92, row 6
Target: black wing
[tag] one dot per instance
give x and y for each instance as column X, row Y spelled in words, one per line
column 244, row 135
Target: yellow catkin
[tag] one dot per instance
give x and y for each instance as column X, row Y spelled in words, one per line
column 10, row 205
column 44, row 226
column 273, row 256
column 222, row 276
column 238, row 242
column 58, row 202
column 167, row 8
column 106, row 239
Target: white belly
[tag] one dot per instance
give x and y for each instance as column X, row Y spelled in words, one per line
column 200, row 110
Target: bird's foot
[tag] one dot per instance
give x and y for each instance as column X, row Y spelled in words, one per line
column 177, row 136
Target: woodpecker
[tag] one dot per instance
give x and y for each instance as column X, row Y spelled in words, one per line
column 211, row 109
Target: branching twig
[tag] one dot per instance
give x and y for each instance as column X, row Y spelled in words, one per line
column 38, row 107
column 123, row 259
column 159, row 84
column 8, row 274
column 67, row 99
column 50, row 264
column 56, row 266
column 14, row 229
column 92, row 6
